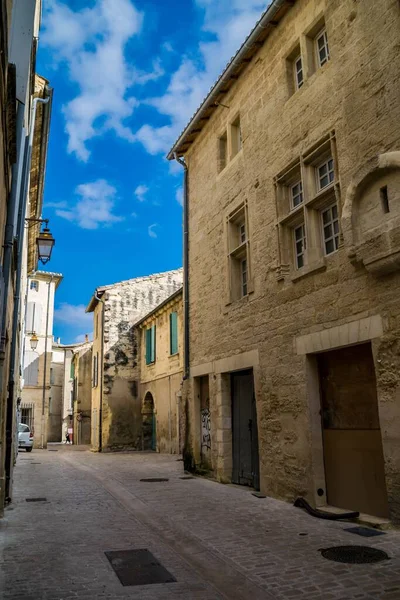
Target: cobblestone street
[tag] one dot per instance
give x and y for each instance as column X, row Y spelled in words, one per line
column 217, row 541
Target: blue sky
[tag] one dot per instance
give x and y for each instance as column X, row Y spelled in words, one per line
column 127, row 76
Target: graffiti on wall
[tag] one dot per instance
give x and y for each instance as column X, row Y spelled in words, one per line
column 205, row 429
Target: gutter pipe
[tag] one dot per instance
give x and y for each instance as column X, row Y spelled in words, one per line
column 186, row 369
column 210, row 100
column 23, row 200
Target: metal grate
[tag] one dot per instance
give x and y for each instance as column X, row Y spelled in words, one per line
column 364, row 531
column 36, row 499
column 154, row 480
column 354, row 554
column 138, row 567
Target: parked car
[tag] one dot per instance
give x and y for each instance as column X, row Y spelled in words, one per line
column 25, row 437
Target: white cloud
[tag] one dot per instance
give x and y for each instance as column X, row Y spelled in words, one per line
column 179, row 196
column 228, row 22
column 134, row 215
column 73, row 315
column 92, row 42
column 151, row 231
column 140, row 192
column 62, row 204
column 82, row 337
column 94, row 207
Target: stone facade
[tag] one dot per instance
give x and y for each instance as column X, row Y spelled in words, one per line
column 116, row 406
column 299, row 300
column 160, row 386
column 54, row 424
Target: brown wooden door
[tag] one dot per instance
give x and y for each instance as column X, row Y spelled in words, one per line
column 353, row 454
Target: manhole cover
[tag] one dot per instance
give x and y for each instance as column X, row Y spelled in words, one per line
column 187, row 477
column 36, row 499
column 364, row 531
column 354, row 554
column 154, row 479
column 138, row 567
column 52, row 450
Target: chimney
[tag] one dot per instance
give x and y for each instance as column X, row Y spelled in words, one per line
column 86, row 338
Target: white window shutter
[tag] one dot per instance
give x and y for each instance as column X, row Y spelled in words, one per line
column 31, row 368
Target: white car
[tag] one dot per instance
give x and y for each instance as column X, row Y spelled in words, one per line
column 25, row 437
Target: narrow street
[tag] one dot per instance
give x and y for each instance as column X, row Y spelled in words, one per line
column 217, row 541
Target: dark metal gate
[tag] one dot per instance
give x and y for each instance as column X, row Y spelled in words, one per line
column 245, row 469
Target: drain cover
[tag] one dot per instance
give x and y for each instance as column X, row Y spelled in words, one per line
column 154, row 480
column 52, row 450
column 354, row 554
column 187, row 477
column 365, row 531
column 36, row 499
column 138, row 567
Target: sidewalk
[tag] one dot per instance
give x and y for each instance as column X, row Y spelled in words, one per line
column 217, row 541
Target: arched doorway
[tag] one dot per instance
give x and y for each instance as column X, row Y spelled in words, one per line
column 149, row 423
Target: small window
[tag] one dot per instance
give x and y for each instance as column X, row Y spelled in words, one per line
column 52, row 381
column 322, row 48
column 330, row 224
column 151, row 345
column 296, row 193
column 383, row 192
column 242, row 233
column 173, row 333
column 300, row 243
column 222, row 152
column 34, row 285
column 243, row 271
column 325, row 174
column 236, row 137
column 298, row 72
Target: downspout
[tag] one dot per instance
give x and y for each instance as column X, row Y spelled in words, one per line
column 101, row 372
column 23, row 200
column 186, row 366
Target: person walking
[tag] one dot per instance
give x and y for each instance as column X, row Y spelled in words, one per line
column 67, row 438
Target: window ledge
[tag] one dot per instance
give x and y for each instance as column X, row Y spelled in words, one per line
column 324, row 195
column 315, row 267
column 230, row 163
column 175, row 355
column 293, row 216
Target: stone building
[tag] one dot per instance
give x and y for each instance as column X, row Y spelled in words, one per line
column 37, row 389
column 56, row 380
column 116, row 406
column 161, row 370
column 82, row 393
column 293, row 218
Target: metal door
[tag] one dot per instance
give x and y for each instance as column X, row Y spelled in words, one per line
column 245, row 469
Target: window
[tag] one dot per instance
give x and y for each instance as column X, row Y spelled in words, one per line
column 238, row 253
column 236, row 137
column 95, row 369
column 52, row 382
column 298, row 72
column 34, row 285
column 222, row 152
column 383, row 192
column 300, row 243
column 296, row 193
column 151, row 345
column 322, row 48
column 325, row 174
column 243, row 270
column 27, row 416
column 330, row 224
column 33, row 317
column 173, row 333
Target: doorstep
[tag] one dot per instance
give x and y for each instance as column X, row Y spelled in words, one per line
column 363, row 519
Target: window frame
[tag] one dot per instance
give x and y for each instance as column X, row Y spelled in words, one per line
column 335, row 237
column 303, row 239
column 320, row 165
column 293, row 206
column 298, row 84
column 173, row 323
column 322, row 34
column 244, row 280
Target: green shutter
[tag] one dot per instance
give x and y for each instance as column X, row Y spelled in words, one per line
column 153, row 344
column 173, row 333
column 148, row 346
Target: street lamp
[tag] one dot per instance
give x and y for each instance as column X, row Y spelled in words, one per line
column 34, row 341
column 45, row 243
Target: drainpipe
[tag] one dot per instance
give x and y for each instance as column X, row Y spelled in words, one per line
column 23, row 199
column 101, row 373
column 186, row 369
